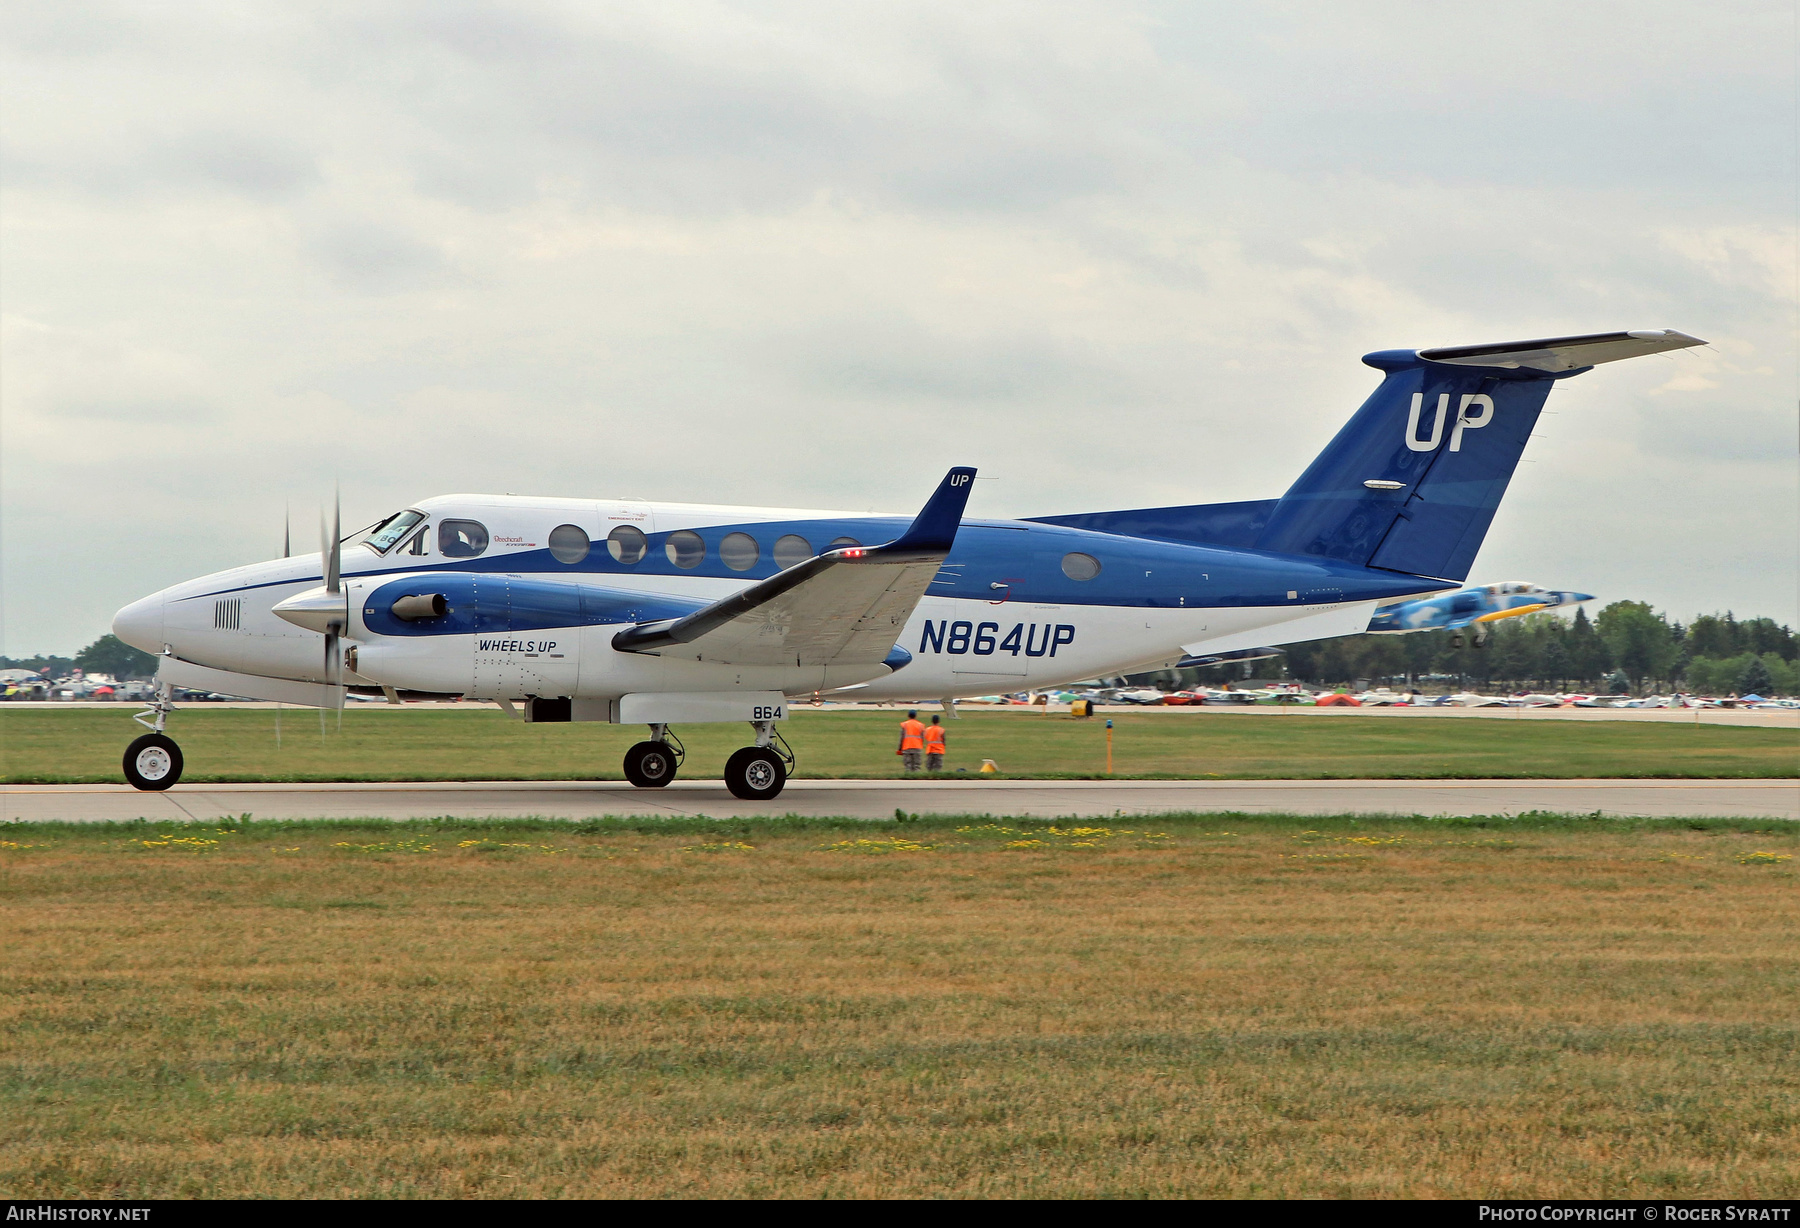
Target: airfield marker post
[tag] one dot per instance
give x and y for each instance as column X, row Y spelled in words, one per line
column 1109, row 746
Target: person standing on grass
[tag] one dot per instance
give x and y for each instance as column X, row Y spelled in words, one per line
column 912, row 742
column 934, row 746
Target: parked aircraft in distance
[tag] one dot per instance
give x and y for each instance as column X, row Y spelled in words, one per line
column 663, row 613
column 1477, row 607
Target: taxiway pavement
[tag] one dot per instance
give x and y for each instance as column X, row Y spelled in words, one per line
column 876, row 799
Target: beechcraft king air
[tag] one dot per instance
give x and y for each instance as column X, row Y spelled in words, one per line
column 662, row 614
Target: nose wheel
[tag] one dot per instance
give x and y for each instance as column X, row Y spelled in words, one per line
column 153, row 762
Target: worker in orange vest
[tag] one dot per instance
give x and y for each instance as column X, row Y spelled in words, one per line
column 934, row 746
column 912, row 742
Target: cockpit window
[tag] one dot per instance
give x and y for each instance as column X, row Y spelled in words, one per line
column 393, row 529
column 461, row 539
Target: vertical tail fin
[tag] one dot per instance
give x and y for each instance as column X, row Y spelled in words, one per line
column 1412, row 481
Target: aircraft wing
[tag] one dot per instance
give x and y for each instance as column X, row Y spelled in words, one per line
column 842, row 607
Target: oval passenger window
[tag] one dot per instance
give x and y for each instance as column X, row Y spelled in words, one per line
column 685, row 549
column 843, row 543
column 739, row 551
column 791, row 549
column 1079, row 566
column 569, row 543
column 461, row 539
column 628, row 545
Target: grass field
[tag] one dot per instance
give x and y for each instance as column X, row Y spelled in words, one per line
column 1239, row 1006
column 41, row 744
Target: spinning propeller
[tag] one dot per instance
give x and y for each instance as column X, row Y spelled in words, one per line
column 331, row 559
column 325, row 609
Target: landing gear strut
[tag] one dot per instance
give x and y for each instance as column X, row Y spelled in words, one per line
column 653, row 764
column 757, row 773
column 153, row 761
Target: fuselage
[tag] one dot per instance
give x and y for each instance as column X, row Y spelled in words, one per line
column 537, row 588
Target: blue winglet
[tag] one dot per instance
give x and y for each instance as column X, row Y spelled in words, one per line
column 933, row 530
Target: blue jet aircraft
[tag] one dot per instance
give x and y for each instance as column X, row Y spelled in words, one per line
column 1477, row 607
column 660, row 614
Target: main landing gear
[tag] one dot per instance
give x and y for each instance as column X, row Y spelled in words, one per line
column 153, row 761
column 755, row 773
column 653, row 764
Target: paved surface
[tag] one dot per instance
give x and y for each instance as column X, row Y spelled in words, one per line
column 875, row 799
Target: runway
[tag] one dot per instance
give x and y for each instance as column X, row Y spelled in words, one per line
column 878, row 799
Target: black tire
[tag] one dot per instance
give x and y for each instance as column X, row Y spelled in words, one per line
column 153, row 762
column 755, row 774
column 650, row 765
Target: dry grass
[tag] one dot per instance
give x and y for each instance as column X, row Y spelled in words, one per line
column 1236, row 1008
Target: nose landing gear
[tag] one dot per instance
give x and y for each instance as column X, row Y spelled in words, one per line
column 153, row 761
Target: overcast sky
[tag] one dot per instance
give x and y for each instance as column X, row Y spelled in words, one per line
column 1115, row 255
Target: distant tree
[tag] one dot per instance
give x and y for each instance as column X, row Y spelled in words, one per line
column 1709, row 636
column 1617, row 683
column 1755, row 680
column 1556, row 663
column 1589, row 659
column 111, row 655
column 1765, row 635
column 1638, row 638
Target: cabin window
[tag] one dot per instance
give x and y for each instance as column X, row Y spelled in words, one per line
column 739, row 551
column 685, row 549
column 461, row 539
column 1079, row 566
column 791, row 549
column 392, row 530
column 843, row 543
column 569, row 543
column 628, row 545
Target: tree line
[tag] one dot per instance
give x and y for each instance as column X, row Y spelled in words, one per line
column 1628, row 647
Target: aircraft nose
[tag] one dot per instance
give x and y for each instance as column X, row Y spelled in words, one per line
column 140, row 624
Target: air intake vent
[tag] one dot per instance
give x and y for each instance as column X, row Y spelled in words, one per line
column 228, row 614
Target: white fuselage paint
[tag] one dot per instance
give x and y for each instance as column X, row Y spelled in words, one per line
column 580, row 661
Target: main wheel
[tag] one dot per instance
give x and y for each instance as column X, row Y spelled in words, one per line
column 754, row 774
column 650, row 765
column 153, row 762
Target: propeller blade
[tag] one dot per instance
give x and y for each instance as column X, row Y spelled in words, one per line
column 335, row 568
column 287, row 531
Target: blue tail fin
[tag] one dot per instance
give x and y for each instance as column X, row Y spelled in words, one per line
column 1411, row 483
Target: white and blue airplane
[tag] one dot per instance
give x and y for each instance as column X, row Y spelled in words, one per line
column 661, row 614
column 1478, row 607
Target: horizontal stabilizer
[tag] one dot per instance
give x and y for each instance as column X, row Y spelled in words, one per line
column 1563, row 353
